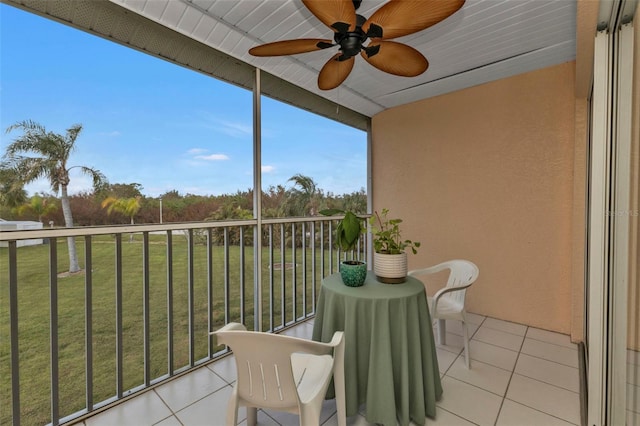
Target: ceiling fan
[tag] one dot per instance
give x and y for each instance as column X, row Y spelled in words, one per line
column 396, row 18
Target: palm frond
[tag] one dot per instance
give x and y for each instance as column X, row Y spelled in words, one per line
column 27, row 126
column 99, row 179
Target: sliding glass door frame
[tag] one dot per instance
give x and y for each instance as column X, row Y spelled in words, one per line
column 609, row 225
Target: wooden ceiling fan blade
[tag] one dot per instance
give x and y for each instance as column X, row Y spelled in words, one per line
column 395, row 58
column 332, row 12
column 334, row 72
column 290, row 47
column 398, row 18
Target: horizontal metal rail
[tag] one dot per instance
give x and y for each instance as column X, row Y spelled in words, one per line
column 23, row 234
column 188, row 286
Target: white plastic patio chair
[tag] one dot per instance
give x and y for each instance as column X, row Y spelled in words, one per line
column 283, row 373
column 448, row 302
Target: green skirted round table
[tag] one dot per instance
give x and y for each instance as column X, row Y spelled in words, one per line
column 390, row 355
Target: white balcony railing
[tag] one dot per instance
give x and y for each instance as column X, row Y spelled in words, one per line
column 140, row 310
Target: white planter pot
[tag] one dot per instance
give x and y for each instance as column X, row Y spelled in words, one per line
column 390, row 268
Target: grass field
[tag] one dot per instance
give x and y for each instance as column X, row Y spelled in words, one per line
column 34, row 315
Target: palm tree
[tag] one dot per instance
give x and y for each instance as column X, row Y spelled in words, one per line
column 304, row 196
column 127, row 206
column 37, row 154
column 233, row 207
column 39, row 206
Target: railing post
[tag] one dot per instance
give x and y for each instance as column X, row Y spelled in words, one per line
column 294, row 277
column 227, row 291
column 145, row 309
column 88, row 321
column 242, row 283
column 170, row 357
column 283, row 268
column 271, row 283
column 304, row 269
column 313, row 267
column 53, row 331
column 119, row 342
column 210, row 289
column 191, row 300
column 15, row 350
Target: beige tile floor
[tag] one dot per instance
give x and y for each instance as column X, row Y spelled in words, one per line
column 519, row 376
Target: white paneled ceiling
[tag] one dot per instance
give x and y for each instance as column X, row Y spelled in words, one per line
column 484, row 41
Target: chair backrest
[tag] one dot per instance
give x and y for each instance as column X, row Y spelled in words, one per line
column 461, row 273
column 263, row 360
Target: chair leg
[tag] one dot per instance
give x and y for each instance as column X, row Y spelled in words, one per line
column 442, row 332
column 252, row 416
column 467, row 355
column 309, row 416
column 232, row 410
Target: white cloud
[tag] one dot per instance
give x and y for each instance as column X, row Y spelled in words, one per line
column 80, row 183
column 38, row 186
column 212, row 157
column 111, row 134
column 194, row 151
column 77, row 184
column 268, row 169
column 235, row 129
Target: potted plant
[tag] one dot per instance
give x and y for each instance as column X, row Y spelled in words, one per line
column 347, row 234
column 389, row 257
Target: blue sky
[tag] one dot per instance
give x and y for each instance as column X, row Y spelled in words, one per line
column 151, row 122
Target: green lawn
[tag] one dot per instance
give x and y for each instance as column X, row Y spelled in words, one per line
column 34, row 313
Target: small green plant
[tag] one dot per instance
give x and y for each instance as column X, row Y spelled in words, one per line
column 386, row 235
column 348, row 230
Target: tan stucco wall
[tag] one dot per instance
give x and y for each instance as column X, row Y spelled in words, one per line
column 487, row 174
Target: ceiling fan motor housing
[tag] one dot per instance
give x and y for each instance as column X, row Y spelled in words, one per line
column 350, row 41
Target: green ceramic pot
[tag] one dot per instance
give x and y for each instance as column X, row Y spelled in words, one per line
column 353, row 273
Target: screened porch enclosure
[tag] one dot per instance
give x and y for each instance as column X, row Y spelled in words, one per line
column 498, row 173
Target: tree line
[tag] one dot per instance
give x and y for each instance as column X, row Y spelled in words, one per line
column 125, row 204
